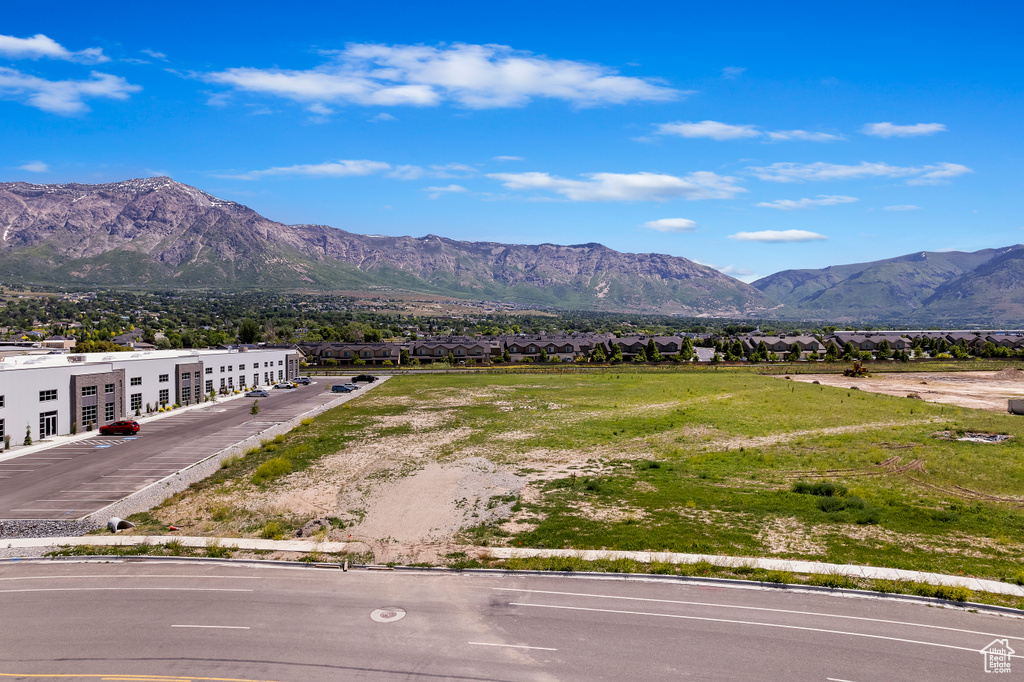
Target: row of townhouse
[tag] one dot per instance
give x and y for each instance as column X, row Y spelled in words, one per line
column 871, row 341
column 48, row 393
column 520, row 347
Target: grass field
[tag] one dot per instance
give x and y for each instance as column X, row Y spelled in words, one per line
column 712, row 461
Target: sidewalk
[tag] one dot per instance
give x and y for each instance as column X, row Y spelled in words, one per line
column 809, row 567
column 54, row 441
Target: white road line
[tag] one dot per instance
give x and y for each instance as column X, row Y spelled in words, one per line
column 513, row 646
column 750, row 622
column 88, row 499
column 10, row 471
column 760, row 608
column 216, row 627
column 106, row 492
column 123, row 589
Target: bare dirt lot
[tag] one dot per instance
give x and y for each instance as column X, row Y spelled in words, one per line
column 978, row 390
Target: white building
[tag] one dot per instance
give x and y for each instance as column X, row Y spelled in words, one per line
column 49, row 393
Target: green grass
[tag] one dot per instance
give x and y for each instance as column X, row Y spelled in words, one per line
column 679, row 451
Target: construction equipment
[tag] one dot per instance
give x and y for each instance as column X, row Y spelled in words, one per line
column 858, row 370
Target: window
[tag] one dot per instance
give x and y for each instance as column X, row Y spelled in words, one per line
column 184, row 376
column 108, row 412
column 2, row 431
column 280, row 375
column 136, row 381
column 136, row 401
column 241, row 380
column 241, row 368
column 197, row 376
column 256, row 379
column 209, row 370
column 280, row 362
column 108, row 388
column 1, row 401
column 89, row 414
column 45, row 396
column 165, row 395
column 164, row 378
column 199, row 393
column 88, row 390
column 222, row 368
column 231, row 368
column 209, row 385
column 223, row 382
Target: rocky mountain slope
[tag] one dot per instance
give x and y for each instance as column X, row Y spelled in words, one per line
column 158, row 232
column 927, row 288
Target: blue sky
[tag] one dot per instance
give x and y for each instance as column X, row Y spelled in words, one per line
column 753, row 137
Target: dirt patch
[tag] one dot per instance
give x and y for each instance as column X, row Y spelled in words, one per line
column 978, row 390
column 774, row 439
column 616, row 514
column 785, row 535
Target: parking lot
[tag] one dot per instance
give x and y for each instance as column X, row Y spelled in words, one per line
column 73, row 480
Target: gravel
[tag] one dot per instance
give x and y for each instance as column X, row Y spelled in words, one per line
column 42, row 528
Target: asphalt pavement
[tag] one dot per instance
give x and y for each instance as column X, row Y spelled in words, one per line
column 149, row 620
column 73, row 480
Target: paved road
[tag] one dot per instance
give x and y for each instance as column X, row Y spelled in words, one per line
column 147, row 619
column 73, row 480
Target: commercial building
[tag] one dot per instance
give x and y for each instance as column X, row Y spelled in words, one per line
column 47, row 394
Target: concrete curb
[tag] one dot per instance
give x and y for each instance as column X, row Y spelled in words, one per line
column 810, row 567
column 158, row 491
column 625, row 577
column 807, row 567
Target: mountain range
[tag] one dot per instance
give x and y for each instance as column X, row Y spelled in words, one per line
column 158, row 232
column 155, row 232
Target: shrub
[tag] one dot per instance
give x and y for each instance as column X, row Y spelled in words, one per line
column 272, row 531
column 271, row 469
column 832, row 581
column 822, row 488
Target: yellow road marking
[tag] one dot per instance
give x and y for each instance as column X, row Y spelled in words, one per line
column 131, row 678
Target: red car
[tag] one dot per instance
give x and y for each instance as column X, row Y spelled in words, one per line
column 124, row 428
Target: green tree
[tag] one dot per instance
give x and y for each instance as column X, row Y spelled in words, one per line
column 597, row 355
column 686, row 350
column 848, row 351
column 652, row 351
column 248, row 331
column 794, row 352
column 255, row 409
column 883, row 352
column 542, row 356
column 506, row 356
column 372, row 336
column 641, row 356
column 616, row 353
column 403, row 357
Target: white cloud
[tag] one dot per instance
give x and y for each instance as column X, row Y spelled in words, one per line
column 716, row 130
column 891, row 130
column 626, row 186
column 733, row 72
column 795, row 204
column 734, row 271
column 508, row 158
column 62, row 97
column 332, row 169
column 803, row 135
column 778, row 236
column 319, row 109
column 450, row 189
column 474, row 76
column 711, row 129
column 902, row 207
column 800, row 172
column 382, row 117
column 35, row 167
column 154, row 54
column 671, row 225
column 41, row 46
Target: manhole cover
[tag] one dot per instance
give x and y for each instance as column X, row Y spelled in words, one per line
column 387, row 615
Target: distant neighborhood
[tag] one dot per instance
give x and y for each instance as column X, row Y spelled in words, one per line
column 609, row 347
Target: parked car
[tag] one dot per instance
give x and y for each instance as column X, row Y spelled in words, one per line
column 367, row 378
column 341, row 388
column 305, row 381
column 123, row 428
column 258, row 393
column 284, row 384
